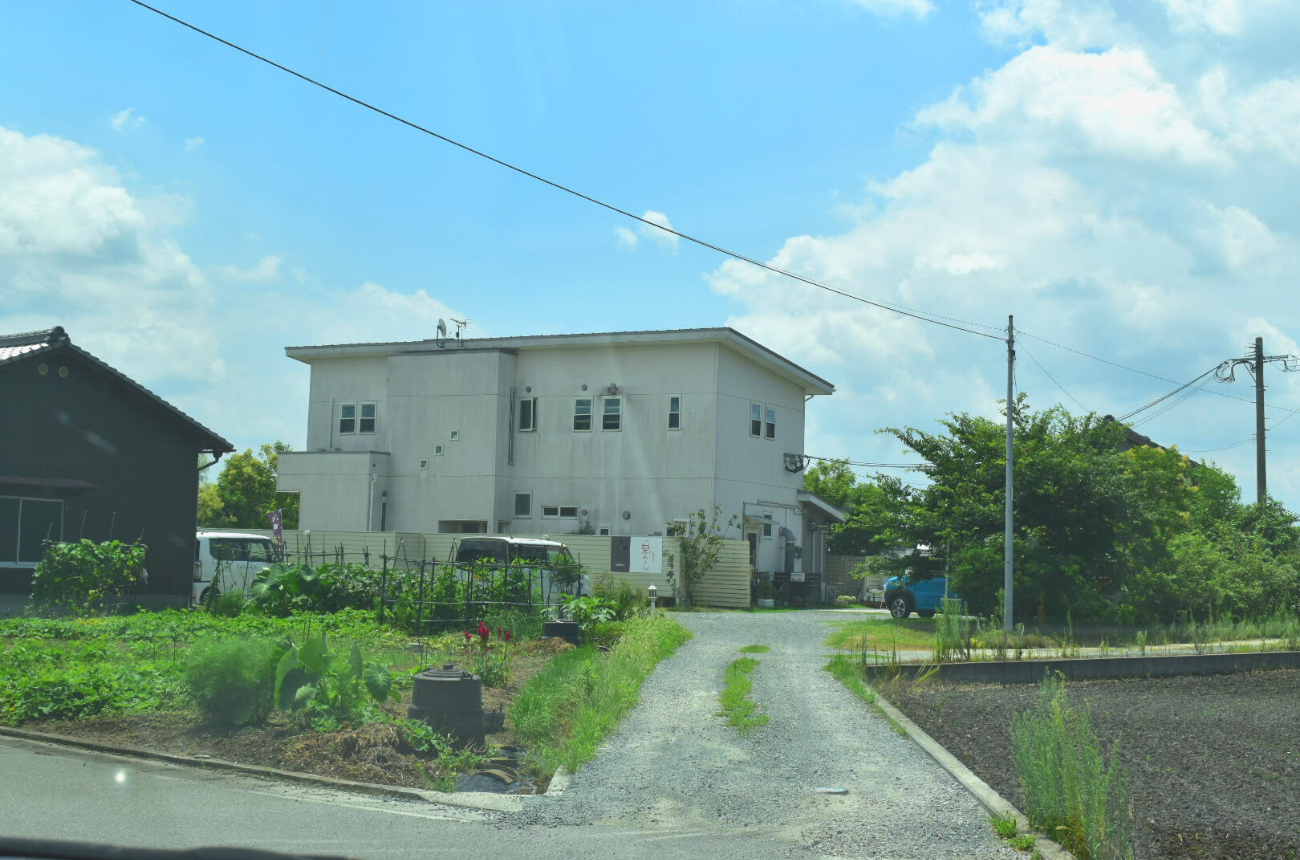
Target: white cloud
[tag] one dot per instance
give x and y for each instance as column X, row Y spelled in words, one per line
column 1223, row 17
column 266, row 271
column 1117, row 186
column 628, row 239
column 126, row 119
column 896, row 8
column 193, row 143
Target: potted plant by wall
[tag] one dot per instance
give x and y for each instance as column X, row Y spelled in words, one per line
column 765, row 595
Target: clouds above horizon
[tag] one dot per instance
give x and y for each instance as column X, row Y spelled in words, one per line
column 1116, row 183
column 629, row 238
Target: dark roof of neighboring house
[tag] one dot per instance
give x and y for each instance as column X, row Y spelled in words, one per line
column 25, row 345
column 1134, row 439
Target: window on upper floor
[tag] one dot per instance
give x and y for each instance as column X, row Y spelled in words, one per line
column 369, row 411
column 674, row 413
column 347, row 418
column 613, row 417
column 523, row 505
column 756, row 420
column 528, row 414
column 582, row 413
column 770, row 430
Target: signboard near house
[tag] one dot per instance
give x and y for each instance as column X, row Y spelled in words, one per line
column 647, row 555
column 620, row 554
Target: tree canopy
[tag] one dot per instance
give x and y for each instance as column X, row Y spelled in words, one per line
column 243, row 495
column 1103, row 530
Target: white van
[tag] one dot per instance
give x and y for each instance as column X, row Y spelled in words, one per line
column 503, row 549
column 226, row 561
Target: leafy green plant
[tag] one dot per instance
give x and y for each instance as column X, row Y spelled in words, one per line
column 329, row 686
column 85, row 577
column 282, row 588
column 628, row 599
column 1005, row 825
column 952, row 632
column 232, row 680
column 1070, row 788
column 228, row 604
column 741, row 711
column 588, row 610
column 488, row 659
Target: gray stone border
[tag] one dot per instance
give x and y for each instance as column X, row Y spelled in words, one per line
column 994, row 803
column 1097, row 668
column 467, row 799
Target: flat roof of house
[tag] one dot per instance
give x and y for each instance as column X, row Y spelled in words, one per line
column 729, row 337
column 25, row 345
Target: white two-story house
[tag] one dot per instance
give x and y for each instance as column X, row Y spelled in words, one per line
column 623, row 432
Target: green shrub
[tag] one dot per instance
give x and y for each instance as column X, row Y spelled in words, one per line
column 1070, row 789
column 85, row 577
column 952, row 632
column 606, row 633
column 228, row 604
column 328, row 686
column 231, row 680
column 629, row 600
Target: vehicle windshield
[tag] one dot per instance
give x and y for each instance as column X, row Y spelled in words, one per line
column 765, row 429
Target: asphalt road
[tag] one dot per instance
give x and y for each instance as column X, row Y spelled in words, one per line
column 674, row 781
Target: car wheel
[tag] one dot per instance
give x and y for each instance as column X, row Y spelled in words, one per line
column 207, row 596
column 925, row 613
column 900, row 606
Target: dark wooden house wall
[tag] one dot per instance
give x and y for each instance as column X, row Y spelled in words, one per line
column 140, row 456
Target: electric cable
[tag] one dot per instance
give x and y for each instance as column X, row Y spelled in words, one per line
column 1053, row 378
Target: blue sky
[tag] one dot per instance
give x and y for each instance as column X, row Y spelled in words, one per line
column 1118, row 175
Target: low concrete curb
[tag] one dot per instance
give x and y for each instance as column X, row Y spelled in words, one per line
column 466, row 800
column 993, row 803
column 1099, row 668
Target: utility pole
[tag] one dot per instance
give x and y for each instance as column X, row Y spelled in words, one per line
column 1261, row 475
column 1008, row 551
column 1254, row 363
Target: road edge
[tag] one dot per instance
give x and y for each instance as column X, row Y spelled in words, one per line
column 466, row 800
column 994, row 803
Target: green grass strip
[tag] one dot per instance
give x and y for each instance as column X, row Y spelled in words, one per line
column 755, row 649
column 567, row 709
column 740, row 711
column 848, row 671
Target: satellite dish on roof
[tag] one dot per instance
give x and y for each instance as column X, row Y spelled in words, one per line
column 442, row 331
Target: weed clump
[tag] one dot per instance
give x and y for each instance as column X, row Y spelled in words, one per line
column 232, row 680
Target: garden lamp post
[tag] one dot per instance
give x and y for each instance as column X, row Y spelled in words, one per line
column 653, row 593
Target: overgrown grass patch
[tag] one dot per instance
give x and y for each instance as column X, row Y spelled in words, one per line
column 755, row 649
column 741, row 712
column 568, row 708
column 883, row 634
column 850, row 670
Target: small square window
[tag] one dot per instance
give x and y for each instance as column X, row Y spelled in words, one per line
column 455, row 435
column 424, row 463
column 767, row 530
column 368, row 412
column 569, row 512
column 674, row 413
column 437, row 450
column 756, row 419
column 603, row 529
column 528, row 414
column 550, row 511
column 613, row 417
column 523, row 505
column 770, row 432
column 582, row 413
column 347, row 418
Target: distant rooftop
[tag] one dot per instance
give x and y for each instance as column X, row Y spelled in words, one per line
column 728, row 337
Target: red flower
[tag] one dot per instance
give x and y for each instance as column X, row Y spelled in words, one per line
column 507, row 635
column 484, row 632
column 468, row 636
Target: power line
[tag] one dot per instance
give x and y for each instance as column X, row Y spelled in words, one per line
column 1223, row 448
column 1174, row 403
column 924, row 316
column 1053, row 378
column 1164, row 397
column 865, row 465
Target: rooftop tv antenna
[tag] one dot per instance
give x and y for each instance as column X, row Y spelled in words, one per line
column 460, row 324
column 442, row 332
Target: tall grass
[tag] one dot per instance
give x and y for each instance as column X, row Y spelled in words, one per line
column 952, row 632
column 568, row 708
column 1071, row 790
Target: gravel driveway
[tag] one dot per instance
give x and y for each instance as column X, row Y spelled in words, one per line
column 675, row 766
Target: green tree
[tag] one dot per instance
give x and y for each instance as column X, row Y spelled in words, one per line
column 1090, row 516
column 835, row 482
column 244, row 493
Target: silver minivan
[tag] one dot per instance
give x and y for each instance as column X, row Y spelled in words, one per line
column 226, row 561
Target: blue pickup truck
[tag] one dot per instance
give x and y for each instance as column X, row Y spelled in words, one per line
column 905, row 595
